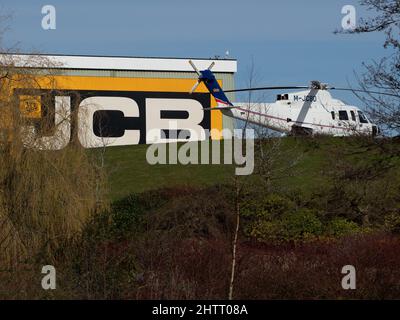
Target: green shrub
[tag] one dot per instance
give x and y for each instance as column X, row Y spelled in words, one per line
column 339, row 227
column 302, row 224
column 392, row 223
column 264, row 230
column 265, row 207
column 276, row 218
column 126, row 214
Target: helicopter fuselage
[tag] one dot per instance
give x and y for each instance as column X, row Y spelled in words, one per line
column 306, row 113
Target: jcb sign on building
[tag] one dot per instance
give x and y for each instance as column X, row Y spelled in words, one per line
column 116, row 110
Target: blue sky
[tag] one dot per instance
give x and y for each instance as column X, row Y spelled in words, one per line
column 291, row 42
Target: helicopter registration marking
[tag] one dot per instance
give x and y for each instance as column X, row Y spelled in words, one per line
column 308, row 98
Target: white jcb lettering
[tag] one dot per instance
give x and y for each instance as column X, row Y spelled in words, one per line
column 62, row 134
column 94, row 132
column 89, row 106
column 155, row 124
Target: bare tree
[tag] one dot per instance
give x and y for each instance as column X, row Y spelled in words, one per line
column 45, row 196
column 239, row 184
column 384, row 74
column 268, row 167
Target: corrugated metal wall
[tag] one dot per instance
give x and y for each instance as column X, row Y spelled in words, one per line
column 228, row 80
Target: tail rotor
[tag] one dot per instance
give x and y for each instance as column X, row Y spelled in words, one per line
column 200, row 78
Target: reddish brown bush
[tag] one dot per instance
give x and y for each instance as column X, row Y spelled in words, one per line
column 199, row 269
column 182, row 250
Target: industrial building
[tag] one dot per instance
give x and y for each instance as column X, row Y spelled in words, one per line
column 135, row 93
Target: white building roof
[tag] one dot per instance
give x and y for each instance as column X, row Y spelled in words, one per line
column 120, row 63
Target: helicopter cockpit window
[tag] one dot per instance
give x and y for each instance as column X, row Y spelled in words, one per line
column 343, row 115
column 333, row 115
column 363, row 118
column 353, row 115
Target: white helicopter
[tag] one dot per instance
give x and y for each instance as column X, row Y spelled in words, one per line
column 309, row 112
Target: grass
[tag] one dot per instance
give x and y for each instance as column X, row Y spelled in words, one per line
column 129, row 171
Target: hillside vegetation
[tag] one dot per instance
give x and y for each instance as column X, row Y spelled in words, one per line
column 311, row 207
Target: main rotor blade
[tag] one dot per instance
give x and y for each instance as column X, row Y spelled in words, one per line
column 268, row 88
column 366, row 91
column 194, row 67
column 307, row 87
column 220, row 108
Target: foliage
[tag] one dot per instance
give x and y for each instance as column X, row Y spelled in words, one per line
column 383, row 75
column 339, row 227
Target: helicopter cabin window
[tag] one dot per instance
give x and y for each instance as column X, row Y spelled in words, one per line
column 333, row 115
column 353, row 115
column 343, row 115
column 363, row 118
column 280, row 97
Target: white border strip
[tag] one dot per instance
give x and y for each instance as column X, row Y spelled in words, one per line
column 120, row 63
